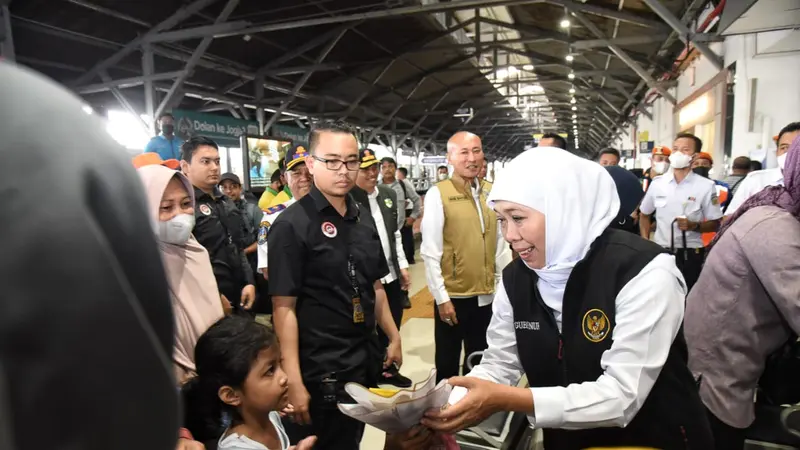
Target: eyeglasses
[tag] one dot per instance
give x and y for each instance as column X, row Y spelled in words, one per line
column 336, row 164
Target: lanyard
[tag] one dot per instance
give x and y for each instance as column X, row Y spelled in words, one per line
column 351, row 272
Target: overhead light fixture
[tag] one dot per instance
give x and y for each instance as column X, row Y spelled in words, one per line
column 573, row 101
column 565, row 23
column 571, row 76
column 87, row 109
column 501, row 73
column 572, row 90
column 512, row 70
column 574, row 120
column 527, row 67
column 570, row 58
column 574, row 116
column 574, row 108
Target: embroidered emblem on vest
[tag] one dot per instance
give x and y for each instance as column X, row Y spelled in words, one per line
column 596, row 326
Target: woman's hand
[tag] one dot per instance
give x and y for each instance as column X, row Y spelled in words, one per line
column 188, row 444
column 480, row 402
column 248, row 296
column 416, row 438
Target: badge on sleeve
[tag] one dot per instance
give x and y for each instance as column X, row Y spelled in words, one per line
column 596, row 325
column 329, row 230
column 388, row 202
column 714, row 199
column 263, row 229
column 358, row 311
column 205, row 209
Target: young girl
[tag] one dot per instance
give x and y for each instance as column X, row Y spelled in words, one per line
column 240, row 384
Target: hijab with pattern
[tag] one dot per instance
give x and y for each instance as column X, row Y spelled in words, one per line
column 196, row 303
column 786, row 196
column 577, row 197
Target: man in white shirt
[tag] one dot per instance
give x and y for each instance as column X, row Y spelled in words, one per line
column 685, row 204
column 464, row 254
column 758, row 180
column 381, row 201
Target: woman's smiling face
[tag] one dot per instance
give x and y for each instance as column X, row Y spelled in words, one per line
column 524, row 229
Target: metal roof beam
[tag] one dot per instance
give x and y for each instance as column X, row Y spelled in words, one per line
column 627, row 40
column 124, row 83
column 238, row 29
column 173, row 20
column 194, row 59
column 601, row 11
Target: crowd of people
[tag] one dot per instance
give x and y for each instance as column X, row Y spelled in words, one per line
column 630, row 328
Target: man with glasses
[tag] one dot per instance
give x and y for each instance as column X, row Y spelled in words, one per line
column 326, row 262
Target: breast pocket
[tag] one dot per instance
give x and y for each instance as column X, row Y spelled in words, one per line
column 660, row 201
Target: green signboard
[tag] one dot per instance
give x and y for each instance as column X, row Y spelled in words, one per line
column 226, row 131
column 299, row 136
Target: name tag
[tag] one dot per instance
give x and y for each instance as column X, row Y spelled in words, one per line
column 526, row 326
column 358, row 311
column 458, row 198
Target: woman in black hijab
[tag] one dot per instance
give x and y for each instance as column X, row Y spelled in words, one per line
column 630, row 194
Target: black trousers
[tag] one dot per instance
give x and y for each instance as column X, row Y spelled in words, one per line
column 690, row 263
column 473, row 321
column 395, row 296
column 407, row 234
column 726, row 437
column 334, row 430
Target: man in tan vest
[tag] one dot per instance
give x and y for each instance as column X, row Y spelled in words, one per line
column 464, row 254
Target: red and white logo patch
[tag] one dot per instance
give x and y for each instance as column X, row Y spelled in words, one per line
column 329, row 230
column 205, row 209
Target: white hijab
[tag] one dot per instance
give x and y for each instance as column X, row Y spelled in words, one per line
column 578, row 199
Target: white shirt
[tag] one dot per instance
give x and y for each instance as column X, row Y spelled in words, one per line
column 236, row 441
column 649, row 313
column 432, row 247
column 266, row 221
column 695, row 197
column 753, row 183
column 375, row 209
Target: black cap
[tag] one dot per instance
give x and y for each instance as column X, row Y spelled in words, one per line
column 295, row 156
column 368, row 158
column 230, row 176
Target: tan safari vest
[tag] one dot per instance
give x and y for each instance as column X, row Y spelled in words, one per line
column 468, row 261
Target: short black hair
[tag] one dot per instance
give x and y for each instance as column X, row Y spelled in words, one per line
column 276, row 176
column 389, row 160
column 610, row 151
column 189, row 147
column 742, row 163
column 791, row 128
column 167, row 115
column 441, row 167
column 755, row 165
column 560, row 141
column 327, row 126
column 403, row 170
column 698, row 143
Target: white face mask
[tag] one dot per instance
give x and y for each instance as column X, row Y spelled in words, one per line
column 660, row 167
column 680, row 160
column 782, row 160
column 441, row 176
column 176, row 230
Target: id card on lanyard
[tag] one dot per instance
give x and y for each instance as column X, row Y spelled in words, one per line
column 358, row 308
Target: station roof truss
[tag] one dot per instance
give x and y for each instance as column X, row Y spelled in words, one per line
column 407, row 73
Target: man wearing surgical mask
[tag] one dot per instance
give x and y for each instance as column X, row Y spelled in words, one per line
column 167, row 145
column 659, row 165
column 685, row 206
column 441, row 173
column 758, row 180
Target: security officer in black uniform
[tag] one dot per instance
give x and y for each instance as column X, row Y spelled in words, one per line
column 326, row 263
column 219, row 226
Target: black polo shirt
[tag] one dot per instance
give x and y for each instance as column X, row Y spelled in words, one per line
column 310, row 246
column 219, row 228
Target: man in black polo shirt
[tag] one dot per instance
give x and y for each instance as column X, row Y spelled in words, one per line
column 325, row 263
column 219, row 226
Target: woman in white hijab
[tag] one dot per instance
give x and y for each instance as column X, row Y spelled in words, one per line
column 591, row 315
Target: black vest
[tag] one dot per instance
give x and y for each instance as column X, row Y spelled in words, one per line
column 672, row 417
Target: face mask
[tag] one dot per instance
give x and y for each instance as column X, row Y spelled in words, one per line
column 168, row 129
column 441, row 176
column 660, row 167
column 176, row 230
column 782, row 160
column 680, row 160
column 702, row 171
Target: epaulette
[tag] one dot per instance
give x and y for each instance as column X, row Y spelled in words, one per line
column 274, row 209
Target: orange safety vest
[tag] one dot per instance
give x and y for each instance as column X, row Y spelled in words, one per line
column 722, row 196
